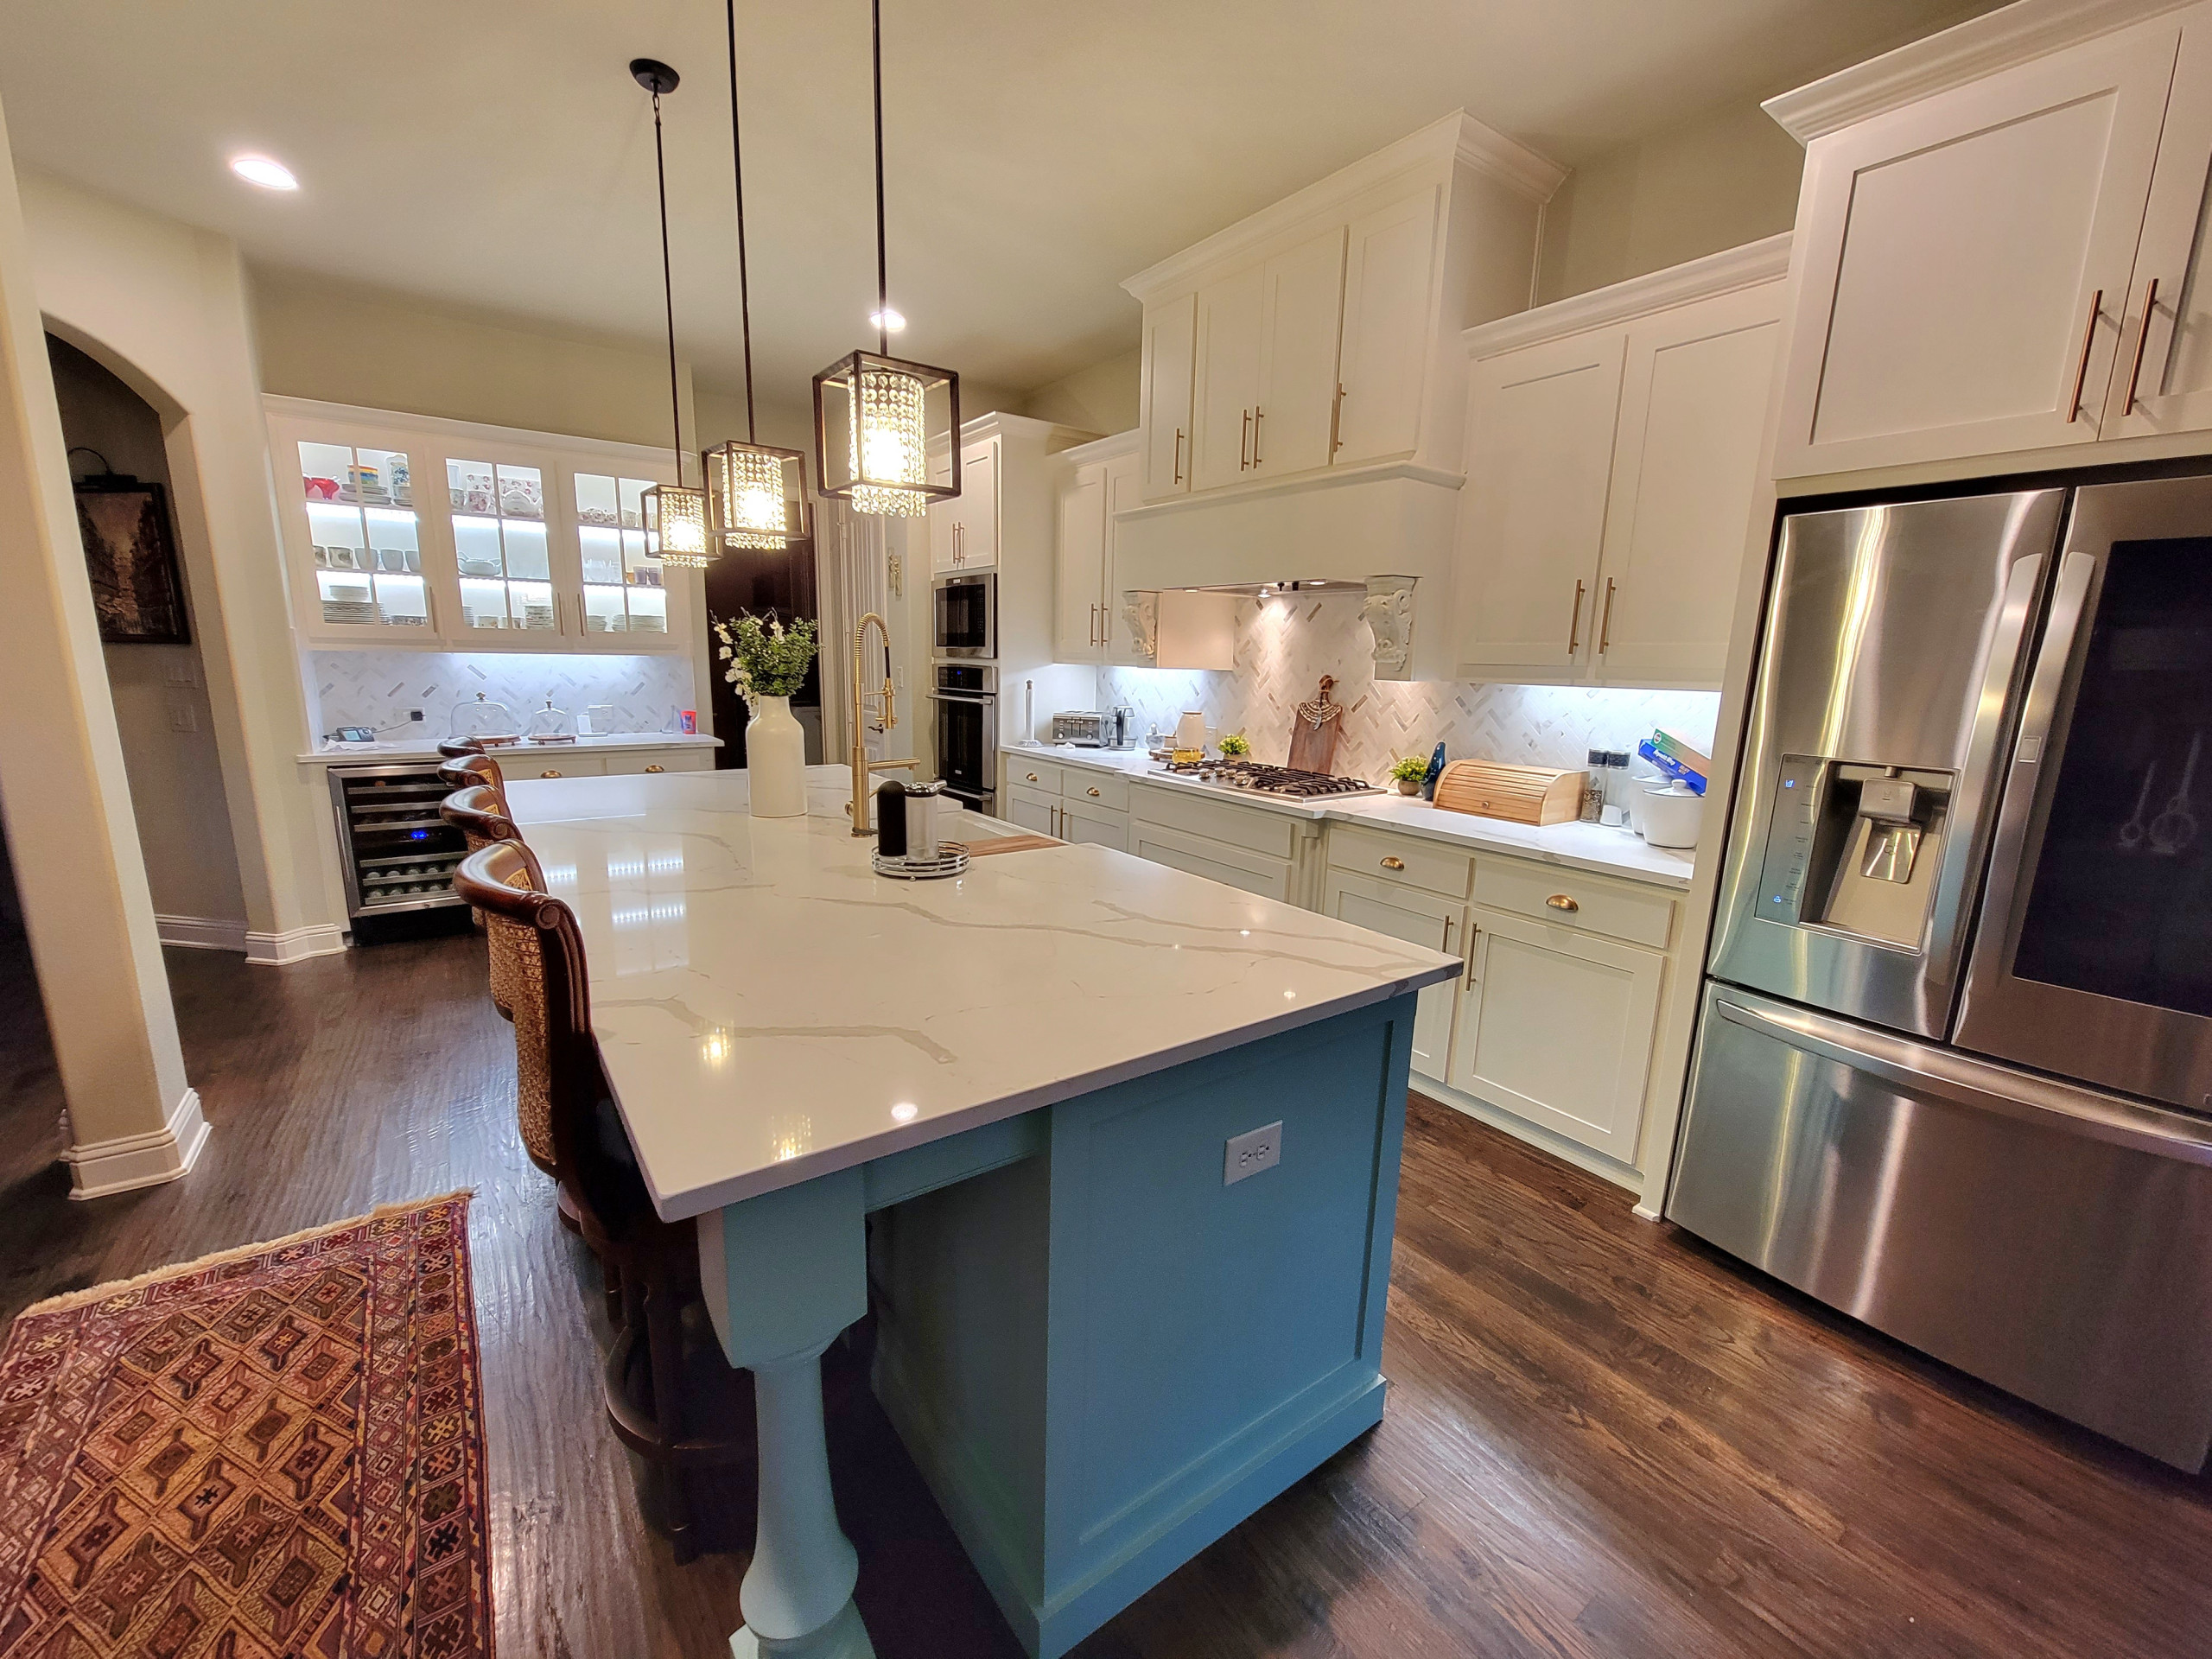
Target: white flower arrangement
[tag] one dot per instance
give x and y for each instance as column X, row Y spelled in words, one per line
column 765, row 658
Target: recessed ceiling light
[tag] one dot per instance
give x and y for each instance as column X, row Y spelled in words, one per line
column 888, row 320
column 270, row 175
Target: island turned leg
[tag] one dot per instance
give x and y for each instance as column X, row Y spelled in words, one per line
column 783, row 1274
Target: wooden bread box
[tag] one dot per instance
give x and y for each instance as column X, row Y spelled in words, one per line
column 1490, row 788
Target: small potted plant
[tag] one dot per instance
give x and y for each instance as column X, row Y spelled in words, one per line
column 768, row 662
column 1234, row 746
column 1409, row 773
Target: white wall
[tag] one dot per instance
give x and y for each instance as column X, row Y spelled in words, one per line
column 1102, row 398
column 160, row 692
column 163, row 305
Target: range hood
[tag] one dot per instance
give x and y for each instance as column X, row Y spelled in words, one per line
column 1386, row 530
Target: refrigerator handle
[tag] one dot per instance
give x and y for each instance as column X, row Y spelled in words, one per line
column 2067, row 606
column 1923, row 1069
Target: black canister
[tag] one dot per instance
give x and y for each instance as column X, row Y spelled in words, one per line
column 891, row 819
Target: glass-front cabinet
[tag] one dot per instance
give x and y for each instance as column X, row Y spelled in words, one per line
column 535, row 541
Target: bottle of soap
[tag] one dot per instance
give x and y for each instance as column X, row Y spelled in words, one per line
column 1593, row 788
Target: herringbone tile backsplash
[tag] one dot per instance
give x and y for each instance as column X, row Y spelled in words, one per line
column 1284, row 646
column 376, row 687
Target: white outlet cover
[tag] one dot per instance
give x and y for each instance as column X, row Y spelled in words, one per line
column 1249, row 1153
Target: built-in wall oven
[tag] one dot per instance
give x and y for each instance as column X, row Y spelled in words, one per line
column 964, row 613
column 965, row 701
column 1953, row 1073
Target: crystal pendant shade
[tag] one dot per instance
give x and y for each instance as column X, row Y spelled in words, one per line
column 878, row 420
column 759, row 496
column 675, row 526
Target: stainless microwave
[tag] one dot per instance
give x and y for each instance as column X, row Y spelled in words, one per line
column 964, row 615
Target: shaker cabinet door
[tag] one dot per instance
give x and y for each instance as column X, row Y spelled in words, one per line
column 1228, row 355
column 1967, row 258
column 1080, row 580
column 1693, row 402
column 1556, row 1026
column 1294, row 417
column 1170, row 337
column 1122, row 495
column 1386, row 328
column 2164, row 383
column 1532, row 513
column 1418, row 918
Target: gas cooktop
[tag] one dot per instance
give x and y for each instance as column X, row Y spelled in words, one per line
column 1270, row 780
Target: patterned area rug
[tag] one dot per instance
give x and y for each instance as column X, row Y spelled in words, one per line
column 274, row 1452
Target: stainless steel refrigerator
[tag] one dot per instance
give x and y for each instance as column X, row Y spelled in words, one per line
column 1953, row 1070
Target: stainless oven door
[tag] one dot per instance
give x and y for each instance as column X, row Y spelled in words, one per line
column 2093, row 958
column 968, row 746
column 964, row 613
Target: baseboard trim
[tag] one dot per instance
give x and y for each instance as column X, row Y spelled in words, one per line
column 281, row 950
column 201, row 933
column 1534, row 1133
column 131, row 1161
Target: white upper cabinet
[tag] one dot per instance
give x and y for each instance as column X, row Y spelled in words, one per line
column 1686, row 461
column 1124, row 648
column 964, row 528
column 1169, row 340
column 1540, row 452
column 1613, row 447
column 1387, row 307
column 1294, row 417
column 1079, row 581
column 1968, row 259
column 1231, row 330
column 2164, row 383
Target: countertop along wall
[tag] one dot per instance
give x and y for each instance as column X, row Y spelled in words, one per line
column 1285, row 644
column 376, row 687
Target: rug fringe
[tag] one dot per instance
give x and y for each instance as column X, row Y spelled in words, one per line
column 75, row 1299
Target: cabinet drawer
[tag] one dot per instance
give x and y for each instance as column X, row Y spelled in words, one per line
column 1596, row 904
column 1087, row 824
column 527, row 765
column 1254, row 829
column 1094, row 789
column 1021, row 772
column 1232, row 867
column 639, row 760
column 1399, row 859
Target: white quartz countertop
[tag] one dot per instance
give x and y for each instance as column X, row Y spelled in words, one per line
column 1575, row 846
column 769, row 1009
column 426, row 748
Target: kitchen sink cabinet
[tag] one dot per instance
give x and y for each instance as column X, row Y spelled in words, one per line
column 404, row 530
column 1555, row 1026
column 1418, row 917
column 1980, row 235
column 1613, row 444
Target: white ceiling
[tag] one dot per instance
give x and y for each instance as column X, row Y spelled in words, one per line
column 496, row 154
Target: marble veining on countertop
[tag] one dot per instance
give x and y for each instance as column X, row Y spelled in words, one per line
column 1593, row 846
column 769, row 1009
column 426, row 748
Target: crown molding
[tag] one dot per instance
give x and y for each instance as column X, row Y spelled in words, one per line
column 1968, row 51
column 1458, row 138
column 1765, row 261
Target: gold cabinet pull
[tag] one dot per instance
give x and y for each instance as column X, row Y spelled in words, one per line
column 549, row 772
column 1560, row 901
column 1092, row 793
column 1258, row 414
column 1336, row 420
column 1394, row 863
column 656, row 768
column 2081, row 368
column 1032, row 777
column 1605, row 627
column 1575, row 622
column 2142, row 339
column 1178, row 479
column 1244, row 443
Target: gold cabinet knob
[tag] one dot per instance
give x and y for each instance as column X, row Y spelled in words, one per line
column 549, row 772
column 1092, row 793
column 1394, row 863
column 1032, row 777
column 1560, row 901
column 656, row 768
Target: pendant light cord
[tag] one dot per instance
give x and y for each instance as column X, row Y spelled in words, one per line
column 668, row 293
column 882, row 266
column 744, row 288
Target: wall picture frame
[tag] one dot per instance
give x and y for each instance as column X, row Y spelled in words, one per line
column 131, row 557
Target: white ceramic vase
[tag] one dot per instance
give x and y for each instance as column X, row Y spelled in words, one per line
column 775, row 760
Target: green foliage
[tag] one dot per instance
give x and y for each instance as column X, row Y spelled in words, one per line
column 765, row 658
column 1234, row 743
column 1411, row 770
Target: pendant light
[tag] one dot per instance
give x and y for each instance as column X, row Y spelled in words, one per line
column 757, row 493
column 877, row 417
column 675, row 514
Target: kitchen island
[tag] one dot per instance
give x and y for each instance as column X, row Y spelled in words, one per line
column 1119, row 1147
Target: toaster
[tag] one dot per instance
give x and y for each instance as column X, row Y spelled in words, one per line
column 1085, row 729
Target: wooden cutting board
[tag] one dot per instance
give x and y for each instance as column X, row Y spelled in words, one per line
column 1490, row 788
column 1313, row 747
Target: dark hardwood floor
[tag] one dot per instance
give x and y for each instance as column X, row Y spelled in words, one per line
column 1602, row 1439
